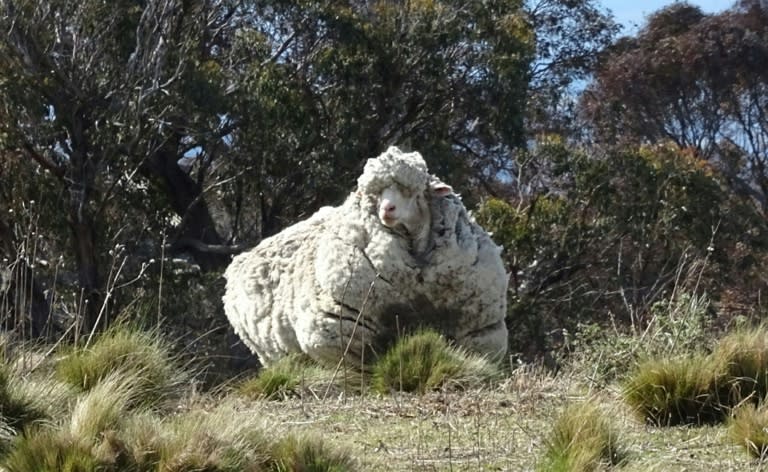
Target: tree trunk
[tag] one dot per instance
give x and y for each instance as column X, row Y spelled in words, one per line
column 189, row 203
column 85, row 250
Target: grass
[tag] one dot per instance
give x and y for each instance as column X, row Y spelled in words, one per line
column 197, row 440
column 743, row 357
column 749, row 428
column 582, row 439
column 424, row 361
column 674, row 391
column 301, row 453
column 50, row 451
column 143, row 355
column 281, row 379
column 701, row 388
column 524, row 420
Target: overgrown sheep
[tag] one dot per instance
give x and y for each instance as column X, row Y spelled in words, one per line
column 400, row 253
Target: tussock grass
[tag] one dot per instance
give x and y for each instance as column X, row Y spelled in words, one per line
column 702, row 388
column 582, row 439
column 742, row 357
column 25, row 400
column 223, row 439
column 143, row 355
column 50, row 451
column 748, row 427
column 104, row 406
column 17, row 409
column 303, row 453
column 425, row 361
column 668, row 392
column 282, row 379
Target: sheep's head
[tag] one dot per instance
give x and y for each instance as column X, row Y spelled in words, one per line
column 400, row 207
column 401, row 187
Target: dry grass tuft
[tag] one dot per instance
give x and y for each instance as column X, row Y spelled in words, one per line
column 582, row 439
column 700, row 388
column 749, row 428
column 144, row 356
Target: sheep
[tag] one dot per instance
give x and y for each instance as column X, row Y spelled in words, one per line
column 400, row 252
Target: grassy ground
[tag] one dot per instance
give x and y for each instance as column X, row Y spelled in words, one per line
column 71, row 401
column 501, row 428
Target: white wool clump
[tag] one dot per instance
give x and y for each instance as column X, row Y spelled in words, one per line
column 393, row 166
column 341, row 283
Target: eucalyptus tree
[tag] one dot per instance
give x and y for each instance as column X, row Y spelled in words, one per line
column 697, row 80
column 101, row 96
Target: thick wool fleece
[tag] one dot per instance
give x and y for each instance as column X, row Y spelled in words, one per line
column 342, row 283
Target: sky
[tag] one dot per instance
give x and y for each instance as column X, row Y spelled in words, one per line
column 632, row 13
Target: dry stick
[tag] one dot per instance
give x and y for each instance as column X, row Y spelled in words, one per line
column 78, row 315
column 55, row 345
column 31, row 283
column 160, row 284
column 49, row 321
column 111, row 281
column 400, row 357
column 341, row 334
column 351, row 337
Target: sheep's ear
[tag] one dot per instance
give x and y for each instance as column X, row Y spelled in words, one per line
column 440, row 189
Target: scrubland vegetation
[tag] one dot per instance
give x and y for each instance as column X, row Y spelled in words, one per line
column 424, row 405
column 144, row 143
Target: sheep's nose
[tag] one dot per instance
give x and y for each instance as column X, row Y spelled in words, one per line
column 389, row 208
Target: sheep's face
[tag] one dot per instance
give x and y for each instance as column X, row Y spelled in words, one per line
column 402, row 208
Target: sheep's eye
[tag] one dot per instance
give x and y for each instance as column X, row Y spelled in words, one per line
column 405, row 191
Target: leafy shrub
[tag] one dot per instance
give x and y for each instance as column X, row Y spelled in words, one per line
column 425, row 361
column 677, row 326
column 582, row 439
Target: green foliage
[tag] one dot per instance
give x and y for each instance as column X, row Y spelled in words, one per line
column 424, row 361
column 582, row 439
column 309, row 454
column 748, row 427
column 144, row 356
column 581, row 252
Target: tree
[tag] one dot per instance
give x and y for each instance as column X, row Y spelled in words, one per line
column 344, row 80
column 696, row 80
column 569, row 34
column 214, row 123
column 96, row 95
column 615, row 232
